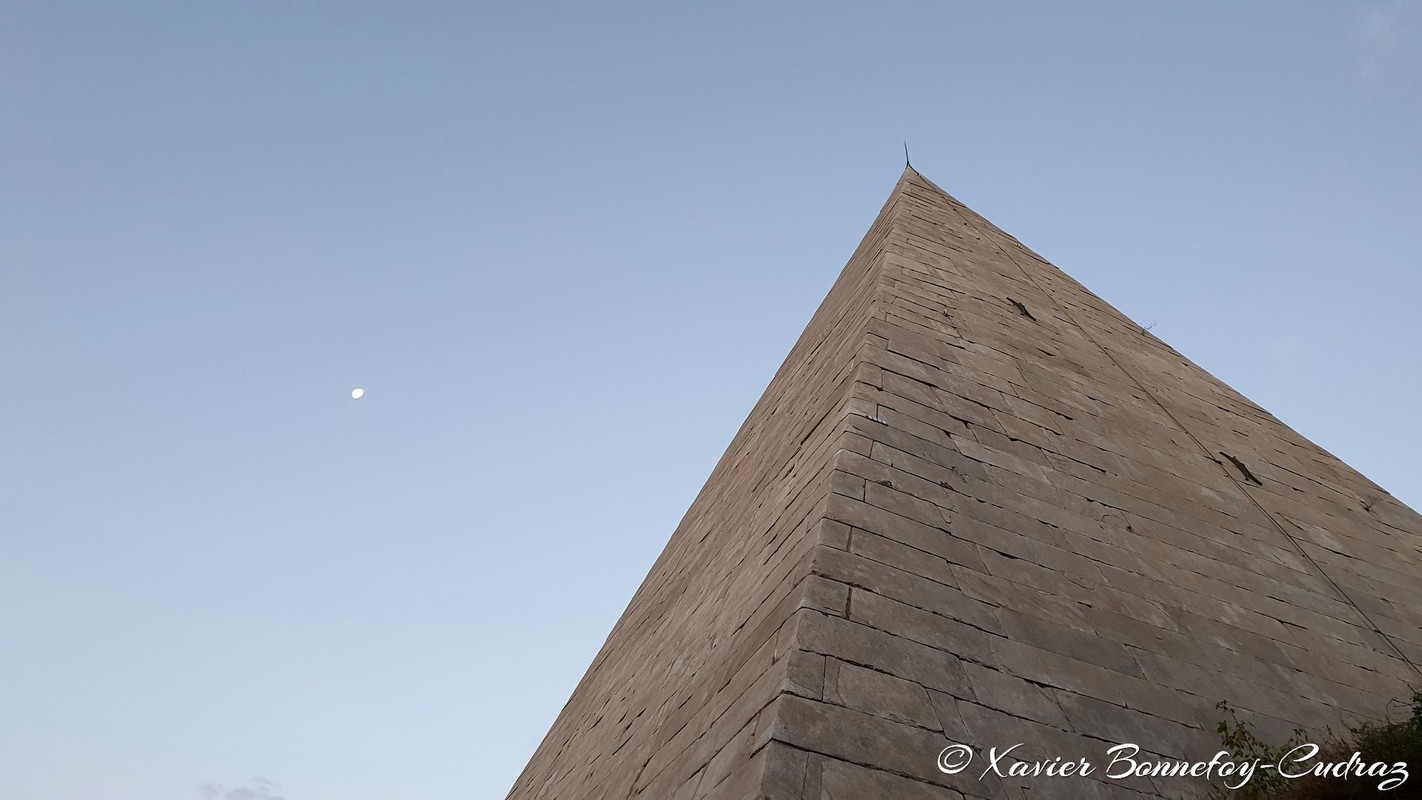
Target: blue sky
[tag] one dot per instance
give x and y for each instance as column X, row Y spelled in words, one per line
column 563, row 247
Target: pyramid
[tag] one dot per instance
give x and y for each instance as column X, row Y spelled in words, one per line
column 979, row 505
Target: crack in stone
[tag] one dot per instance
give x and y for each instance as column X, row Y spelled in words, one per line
column 1244, row 470
column 1021, row 309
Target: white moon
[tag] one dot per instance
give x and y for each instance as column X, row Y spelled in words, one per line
column 357, row 393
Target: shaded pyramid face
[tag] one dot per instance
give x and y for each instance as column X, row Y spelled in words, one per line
column 979, row 505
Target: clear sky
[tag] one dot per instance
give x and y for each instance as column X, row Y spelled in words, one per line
column 563, row 247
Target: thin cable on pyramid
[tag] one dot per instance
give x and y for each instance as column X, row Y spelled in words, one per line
column 1319, row 568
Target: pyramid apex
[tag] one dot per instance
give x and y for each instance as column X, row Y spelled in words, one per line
column 977, row 501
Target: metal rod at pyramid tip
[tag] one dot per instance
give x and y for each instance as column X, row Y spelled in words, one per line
column 907, row 164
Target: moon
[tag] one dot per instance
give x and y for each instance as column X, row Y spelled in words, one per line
column 357, row 393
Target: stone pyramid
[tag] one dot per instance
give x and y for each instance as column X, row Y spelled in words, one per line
column 979, row 505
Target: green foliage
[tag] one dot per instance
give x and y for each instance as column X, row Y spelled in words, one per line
column 1240, row 740
column 1387, row 742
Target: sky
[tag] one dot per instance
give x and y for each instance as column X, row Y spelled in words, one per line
column 563, row 248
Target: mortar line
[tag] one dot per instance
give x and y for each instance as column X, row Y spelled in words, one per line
column 1242, row 489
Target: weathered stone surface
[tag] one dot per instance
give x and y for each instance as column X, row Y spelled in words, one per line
column 979, row 505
